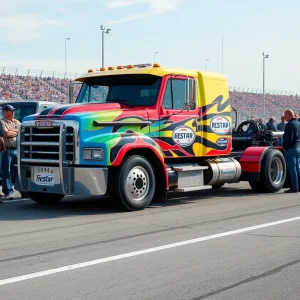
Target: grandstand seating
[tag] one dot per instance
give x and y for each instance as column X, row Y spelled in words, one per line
column 56, row 89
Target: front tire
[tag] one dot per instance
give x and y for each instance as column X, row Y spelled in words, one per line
column 273, row 173
column 133, row 184
column 43, row 198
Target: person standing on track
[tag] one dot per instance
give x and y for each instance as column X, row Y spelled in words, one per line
column 291, row 145
column 10, row 129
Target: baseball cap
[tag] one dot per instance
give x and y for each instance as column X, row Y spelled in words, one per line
column 9, row 107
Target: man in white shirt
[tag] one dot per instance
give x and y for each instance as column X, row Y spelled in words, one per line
column 10, row 129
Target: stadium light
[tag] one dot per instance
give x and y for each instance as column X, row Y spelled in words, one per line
column 107, row 31
column 66, row 39
column 265, row 56
column 206, row 64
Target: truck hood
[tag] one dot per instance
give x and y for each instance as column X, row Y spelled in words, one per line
column 98, row 112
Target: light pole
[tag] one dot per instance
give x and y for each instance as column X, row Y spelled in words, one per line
column 103, row 32
column 264, row 96
column 66, row 39
column 205, row 63
column 155, row 56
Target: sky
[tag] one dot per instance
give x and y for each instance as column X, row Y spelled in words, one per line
column 185, row 33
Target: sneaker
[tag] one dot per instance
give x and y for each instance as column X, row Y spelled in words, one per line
column 9, row 196
column 291, row 191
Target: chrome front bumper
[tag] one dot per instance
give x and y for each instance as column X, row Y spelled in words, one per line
column 65, row 181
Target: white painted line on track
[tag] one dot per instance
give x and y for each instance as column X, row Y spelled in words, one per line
column 141, row 252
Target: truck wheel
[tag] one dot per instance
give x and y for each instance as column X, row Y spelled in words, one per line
column 257, row 187
column 133, row 184
column 45, row 198
column 273, row 173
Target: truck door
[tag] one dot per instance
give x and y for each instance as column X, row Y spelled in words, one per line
column 178, row 118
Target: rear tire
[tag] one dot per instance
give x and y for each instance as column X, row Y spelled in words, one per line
column 43, row 198
column 257, row 187
column 135, row 183
column 273, row 173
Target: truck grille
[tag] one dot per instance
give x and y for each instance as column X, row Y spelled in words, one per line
column 42, row 144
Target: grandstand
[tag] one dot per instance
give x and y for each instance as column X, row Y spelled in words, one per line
column 248, row 104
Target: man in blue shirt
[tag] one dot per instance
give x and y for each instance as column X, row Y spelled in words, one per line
column 291, row 145
column 2, row 149
column 270, row 125
column 261, row 124
column 280, row 127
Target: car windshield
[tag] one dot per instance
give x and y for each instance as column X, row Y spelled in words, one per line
column 133, row 90
column 23, row 111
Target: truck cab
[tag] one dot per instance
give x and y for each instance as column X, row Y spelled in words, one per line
column 135, row 132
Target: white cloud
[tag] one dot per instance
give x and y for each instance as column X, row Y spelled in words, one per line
column 121, row 3
column 21, row 28
column 24, row 20
column 156, row 7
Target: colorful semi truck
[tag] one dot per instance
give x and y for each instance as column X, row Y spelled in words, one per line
column 139, row 131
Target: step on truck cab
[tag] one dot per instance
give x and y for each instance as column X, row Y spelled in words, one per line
column 138, row 131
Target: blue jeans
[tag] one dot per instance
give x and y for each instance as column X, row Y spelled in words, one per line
column 292, row 158
column 9, row 159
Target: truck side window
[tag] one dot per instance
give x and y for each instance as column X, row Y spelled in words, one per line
column 174, row 97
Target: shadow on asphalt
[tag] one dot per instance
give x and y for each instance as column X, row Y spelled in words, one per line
column 75, row 206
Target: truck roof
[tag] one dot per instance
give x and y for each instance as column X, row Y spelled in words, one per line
column 157, row 71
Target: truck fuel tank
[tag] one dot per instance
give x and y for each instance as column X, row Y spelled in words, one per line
column 222, row 170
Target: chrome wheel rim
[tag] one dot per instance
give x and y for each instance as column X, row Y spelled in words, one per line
column 137, row 184
column 276, row 171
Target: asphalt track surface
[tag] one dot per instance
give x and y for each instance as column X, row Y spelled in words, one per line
column 218, row 244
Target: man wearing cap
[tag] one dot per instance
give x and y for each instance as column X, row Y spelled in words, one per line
column 10, row 128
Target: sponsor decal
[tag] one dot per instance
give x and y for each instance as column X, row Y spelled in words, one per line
column 220, row 125
column 43, row 179
column 222, row 142
column 183, row 136
column 43, row 124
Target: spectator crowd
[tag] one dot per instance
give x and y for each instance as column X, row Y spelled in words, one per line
column 34, row 88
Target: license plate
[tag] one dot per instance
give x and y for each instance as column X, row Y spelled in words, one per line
column 44, row 176
column 43, row 124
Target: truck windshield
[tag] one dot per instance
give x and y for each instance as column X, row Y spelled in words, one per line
column 131, row 90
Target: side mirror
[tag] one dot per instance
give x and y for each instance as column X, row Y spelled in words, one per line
column 71, row 93
column 192, row 106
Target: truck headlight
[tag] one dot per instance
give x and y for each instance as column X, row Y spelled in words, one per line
column 92, row 153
